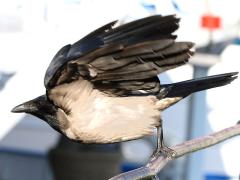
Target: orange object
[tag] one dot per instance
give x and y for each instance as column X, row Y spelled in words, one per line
column 210, row 22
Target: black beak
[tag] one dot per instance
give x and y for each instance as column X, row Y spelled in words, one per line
column 25, row 107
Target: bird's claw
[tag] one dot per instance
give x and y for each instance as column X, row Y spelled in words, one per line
column 166, row 151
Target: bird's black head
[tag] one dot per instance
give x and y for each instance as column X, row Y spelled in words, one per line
column 40, row 107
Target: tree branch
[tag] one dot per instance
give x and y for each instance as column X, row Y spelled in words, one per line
column 156, row 164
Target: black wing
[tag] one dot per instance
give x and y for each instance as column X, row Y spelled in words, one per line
column 122, row 60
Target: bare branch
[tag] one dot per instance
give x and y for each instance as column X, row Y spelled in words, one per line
column 156, row 164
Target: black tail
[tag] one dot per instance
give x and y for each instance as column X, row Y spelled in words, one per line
column 185, row 88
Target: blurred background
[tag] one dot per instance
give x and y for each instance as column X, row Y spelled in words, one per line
column 31, row 32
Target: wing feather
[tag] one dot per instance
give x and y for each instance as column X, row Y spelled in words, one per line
column 123, row 60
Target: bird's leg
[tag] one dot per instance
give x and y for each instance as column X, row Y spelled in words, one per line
column 161, row 147
column 160, row 143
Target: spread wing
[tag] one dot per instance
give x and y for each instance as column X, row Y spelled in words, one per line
column 124, row 60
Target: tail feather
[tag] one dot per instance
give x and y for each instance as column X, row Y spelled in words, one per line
column 185, row 88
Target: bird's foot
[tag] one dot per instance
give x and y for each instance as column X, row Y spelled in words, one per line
column 165, row 151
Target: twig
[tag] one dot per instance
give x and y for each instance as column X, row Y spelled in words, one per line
column 157, row 163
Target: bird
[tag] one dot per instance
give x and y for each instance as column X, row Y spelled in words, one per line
column 105, row 88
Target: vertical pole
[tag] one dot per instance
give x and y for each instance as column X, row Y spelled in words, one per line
column 195, row 128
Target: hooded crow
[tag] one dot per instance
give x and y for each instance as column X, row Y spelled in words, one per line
column 104, row 88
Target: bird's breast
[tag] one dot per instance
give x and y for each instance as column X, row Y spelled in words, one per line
column 97, row 118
